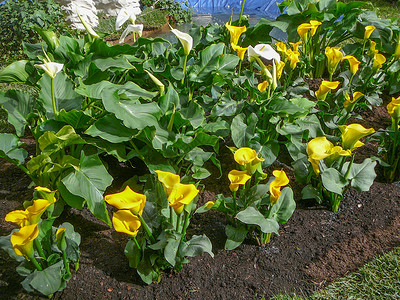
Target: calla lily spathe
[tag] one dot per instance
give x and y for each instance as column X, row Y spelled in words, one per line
column 60, row 238
column 317, row 149
column 51, row 68
column 185, row 39
column 325, row 88
column 138, row 28
column 354, row 63
column 246, row 156
column 368, row 31
column 31, row 215
column 379, row 60
column 394, row 108
column 275, row 186
column 303, row 29
column 279, row 69
column 281, row 47
column 264, row 51
column 181, row 195
column 125, row 14
column 22, row 240
column 235, row 32
column 295, row 46
column 127, row 200
column 126, row 222
column 240, row 51
column 168, row 180
column 397, row 50
column 293, row 57
column 372, row 49
column 237, row 178
column 334, row 56
column 351, row 101
column 352, row 133
column 262, row 86
column 88, row 28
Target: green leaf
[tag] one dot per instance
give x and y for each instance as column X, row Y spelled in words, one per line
column 19, row 106
column 310, row 192
column 282, row 210
column 196, row 246
column 89, row 181
column 9, row 144
column 169, row 100
column 333, row 181
column 133, row 253
column 15, row 73
column 134, row 114
column 47, row 281
column 71, row 199
column 252, row 216
column 362, row 175
column 147, row 272
column 6, row 245
column 50, row 142
column 111, row 129
column 194, row 113
column 113, row 63
column 227, row 64
column 64, row 92
column 171, row 249
column 50, row 38
column 242, row 133
column 76, row 118
column 235, row 236
column 208, row 62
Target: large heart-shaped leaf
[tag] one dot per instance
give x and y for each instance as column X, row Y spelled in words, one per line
column 89, row 181
column 9, row 144
column 252, row 216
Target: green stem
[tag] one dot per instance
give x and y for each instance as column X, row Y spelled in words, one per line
column 240, row 68
column 349, row 168
column 66, row 264
column 178, row 221
column 267, row 238
column 53, row 99
column 137, row 150
column 234, row 203
column 241, row 12
column 39, row 249
column 171, row 211
column 147, row 229
column 185, row 223
column 35, row 262
column 184, row 69
column 137, row 244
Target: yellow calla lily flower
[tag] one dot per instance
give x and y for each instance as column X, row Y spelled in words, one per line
column 237, row 178
column 372, row 49
column 281, row 47
column 354, row 63
column 209, row 204
column 303, row 29
column 314, row 26
column 368, row 31
column 246, row 156
column 31, row 215
column 182, row 194
column 263, row 86
column 22, row 240
column 334, row 56
column 397, row 50
column 379, row 60
column 60, row 234
column 235, row 32
column 350, row 102
column 127, row 199
column 126, row 222
column 293, row 58
column 279, row 69
column 352, row 133
column 394, row 108
column 325, row 88
column 275, row 186
column 240, row 51
column 317, row 149
column 168, row 180
column 295, row 46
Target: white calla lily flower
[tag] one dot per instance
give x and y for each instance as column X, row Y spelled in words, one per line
column 263, row 51
column 51, row 68
column 185, row 39
column 124, row 15
column 138, row 28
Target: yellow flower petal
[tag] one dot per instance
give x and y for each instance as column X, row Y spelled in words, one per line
column 126, row 222
column 168, row 180
column 317, row 149
column 334, row 56
column 235, row 32
column 314, row 26
column 240, row 51
column 22, row 240
column 182, row 194
column 352, row 133
column 275, row 186
column 237, row 178
column 295, row 46
column 127, row 199
column 325, row 88
column 263, row 86
column 303, row 29
column 394, row 108
column 245, row 155
column 354, row 63
column 379, row 60
column 368, row 31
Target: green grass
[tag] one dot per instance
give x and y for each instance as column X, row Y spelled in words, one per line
column 379, row 279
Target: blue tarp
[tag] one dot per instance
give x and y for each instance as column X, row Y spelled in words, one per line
column 260, row 7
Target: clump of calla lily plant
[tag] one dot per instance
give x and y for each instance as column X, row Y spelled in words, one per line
column 331, row 173
column 156, row 222
column 255, row 209
column 45, row 252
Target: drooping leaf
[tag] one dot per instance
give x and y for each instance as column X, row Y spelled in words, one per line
column 283, row 209
column 252, row 216
column 235, row 236
column 9, row 148
column 333, row 181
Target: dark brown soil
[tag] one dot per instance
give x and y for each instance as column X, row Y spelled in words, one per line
column 315, row 247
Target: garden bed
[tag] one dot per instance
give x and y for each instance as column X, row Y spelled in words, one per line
column 316, row 246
